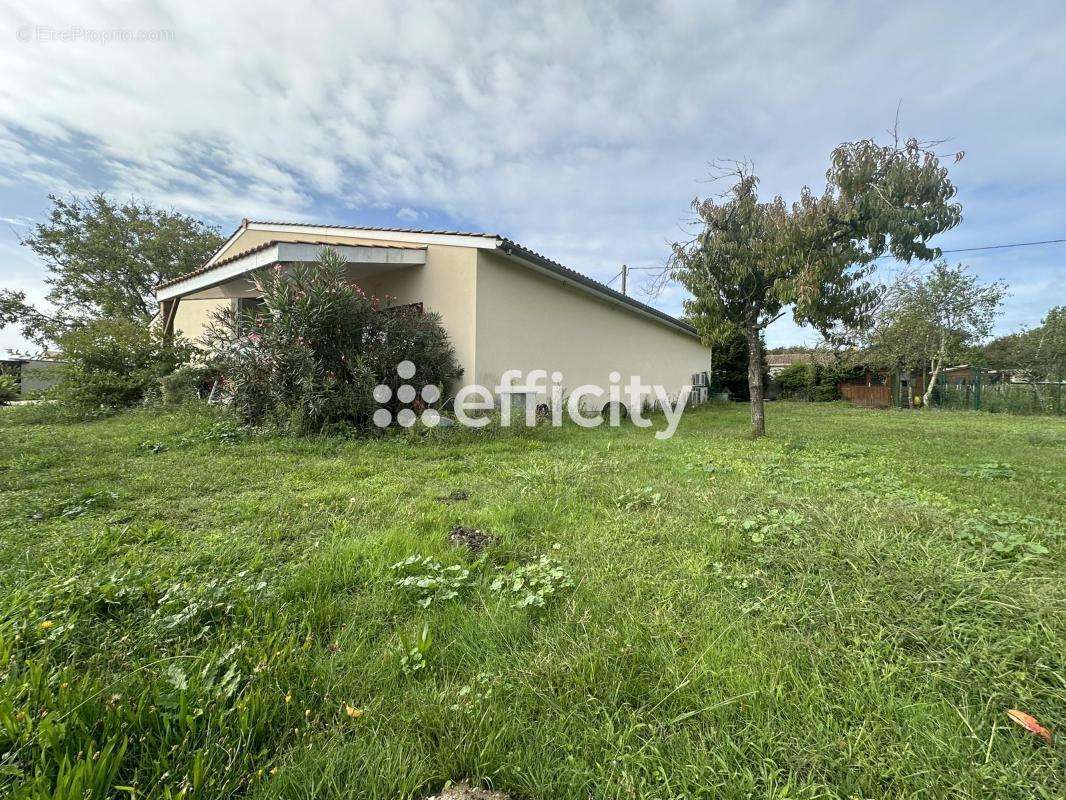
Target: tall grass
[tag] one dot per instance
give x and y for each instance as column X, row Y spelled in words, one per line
column 840, row 610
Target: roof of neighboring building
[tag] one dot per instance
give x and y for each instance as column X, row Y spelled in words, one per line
column 974, row 366
column 507, row 246
column 45, row 357
column 788, row 359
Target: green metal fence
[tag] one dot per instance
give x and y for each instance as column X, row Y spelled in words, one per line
column 1003, row 398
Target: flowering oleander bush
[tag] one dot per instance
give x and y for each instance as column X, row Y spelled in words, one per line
column 309, row 356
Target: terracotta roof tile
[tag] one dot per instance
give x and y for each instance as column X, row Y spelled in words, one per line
column 788, row 359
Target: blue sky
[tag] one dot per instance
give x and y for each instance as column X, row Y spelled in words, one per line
column 580, row 130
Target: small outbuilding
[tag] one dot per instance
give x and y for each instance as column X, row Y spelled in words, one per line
column 33, row 375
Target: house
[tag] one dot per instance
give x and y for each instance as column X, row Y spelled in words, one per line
column 776, row 363
column 966, row 375
column 504, row 306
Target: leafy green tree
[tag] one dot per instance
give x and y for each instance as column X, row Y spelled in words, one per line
column 752, row 261
column 103, row 261
column 934, row 321
column 1003, row 352
column 1045, row 353
column 1039, row 354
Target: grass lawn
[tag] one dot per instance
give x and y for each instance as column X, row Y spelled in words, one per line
column 844, row 609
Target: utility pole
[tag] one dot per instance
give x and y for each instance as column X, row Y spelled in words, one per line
column 625, row 277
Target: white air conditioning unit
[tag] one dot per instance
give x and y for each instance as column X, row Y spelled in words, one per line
column 699, row 379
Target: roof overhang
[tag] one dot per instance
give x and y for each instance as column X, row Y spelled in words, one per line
column 282, row 253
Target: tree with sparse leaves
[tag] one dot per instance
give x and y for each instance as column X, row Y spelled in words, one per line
column 752, row 261
column 934, row 321
column 103, row 260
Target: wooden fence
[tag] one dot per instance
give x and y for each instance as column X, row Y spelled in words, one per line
column 868, row 396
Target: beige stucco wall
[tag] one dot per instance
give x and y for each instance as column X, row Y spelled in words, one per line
column 192, row 317
column 527, row 320
column 445, row 285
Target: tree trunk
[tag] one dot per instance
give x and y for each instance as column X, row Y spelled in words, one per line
column 933, row 375
column 755, row 387
column 936, row 363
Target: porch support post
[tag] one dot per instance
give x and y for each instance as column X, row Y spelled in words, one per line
column 168, row 310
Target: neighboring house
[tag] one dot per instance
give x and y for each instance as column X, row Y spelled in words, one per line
column 965, row 375
column 776, row 363
column 34, row 375
column 503, row 306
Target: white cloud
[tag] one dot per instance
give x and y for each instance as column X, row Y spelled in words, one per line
column 581, row 130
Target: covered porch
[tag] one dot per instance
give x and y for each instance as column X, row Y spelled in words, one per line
column 187, row 303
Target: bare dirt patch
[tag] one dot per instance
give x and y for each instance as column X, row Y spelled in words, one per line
column 472, row 539
column 464, row 792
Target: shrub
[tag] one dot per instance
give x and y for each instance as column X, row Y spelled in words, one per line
column 831, row 373
column 185, row 383
column 826, row 390
column 816, row 382
column 115, row 363
column 9, row 389
column 796, row 380
column 309, row 357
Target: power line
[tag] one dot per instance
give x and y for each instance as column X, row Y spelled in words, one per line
column 1001, row 246
column 992, row 247
column 943, row 252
